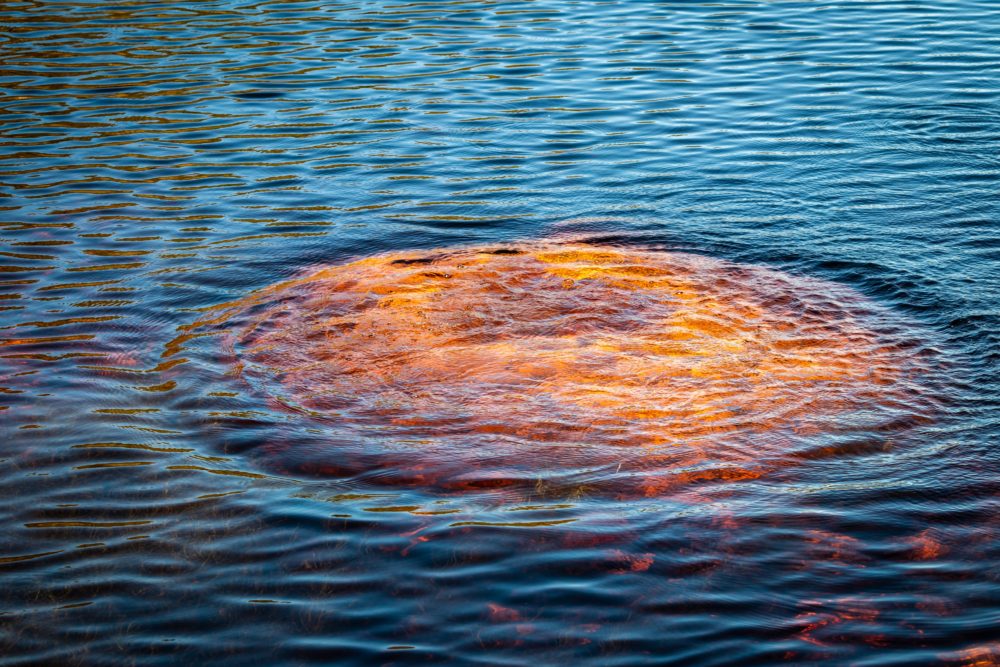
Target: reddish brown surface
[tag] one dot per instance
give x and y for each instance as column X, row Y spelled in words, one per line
column 478, row 366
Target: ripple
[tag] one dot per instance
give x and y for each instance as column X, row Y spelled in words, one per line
column 159, row 160
column 631, row 370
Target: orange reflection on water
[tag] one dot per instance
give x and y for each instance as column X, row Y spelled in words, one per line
column 478, row 366
column 985, row 655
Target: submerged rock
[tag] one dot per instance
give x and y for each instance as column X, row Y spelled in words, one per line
column 632, row 370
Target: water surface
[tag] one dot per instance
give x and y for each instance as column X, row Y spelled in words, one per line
column 159, row 159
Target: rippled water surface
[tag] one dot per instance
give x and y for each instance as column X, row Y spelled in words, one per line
column 177, row 491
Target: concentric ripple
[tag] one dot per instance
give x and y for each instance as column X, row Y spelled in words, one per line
column 636, row 369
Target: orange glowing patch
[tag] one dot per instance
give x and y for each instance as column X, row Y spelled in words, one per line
column 640, row 369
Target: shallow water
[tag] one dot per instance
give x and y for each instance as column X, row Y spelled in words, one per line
column 159, row 160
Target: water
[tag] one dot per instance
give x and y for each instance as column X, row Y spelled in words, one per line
column 159, row 160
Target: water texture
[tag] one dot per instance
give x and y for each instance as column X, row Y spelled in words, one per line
column 158, row 160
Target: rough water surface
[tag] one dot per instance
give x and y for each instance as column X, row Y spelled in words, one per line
column 182, row 185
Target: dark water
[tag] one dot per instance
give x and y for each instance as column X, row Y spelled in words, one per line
column 160, row 158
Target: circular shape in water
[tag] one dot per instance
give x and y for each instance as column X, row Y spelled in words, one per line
column 630, row 369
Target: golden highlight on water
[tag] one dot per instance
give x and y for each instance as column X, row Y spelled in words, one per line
column 629, row 370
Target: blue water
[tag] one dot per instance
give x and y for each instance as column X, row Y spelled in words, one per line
column 159, row 159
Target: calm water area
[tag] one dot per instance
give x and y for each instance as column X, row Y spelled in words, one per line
column 161, row 158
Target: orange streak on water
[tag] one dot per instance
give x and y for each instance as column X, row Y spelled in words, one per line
column 985, row 655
